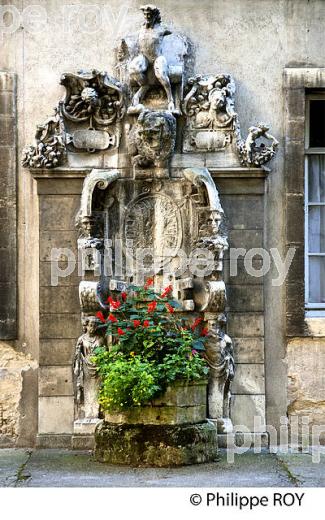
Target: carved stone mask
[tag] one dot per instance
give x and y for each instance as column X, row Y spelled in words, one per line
column 214, row 220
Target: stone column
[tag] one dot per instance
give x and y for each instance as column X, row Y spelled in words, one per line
column 8, row 207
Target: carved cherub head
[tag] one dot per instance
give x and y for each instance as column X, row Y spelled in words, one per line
column 218, row 98
column 90, row 96
column 151, row 14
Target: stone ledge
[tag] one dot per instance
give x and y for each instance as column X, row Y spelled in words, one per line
column 53, row 441
column 238, row 439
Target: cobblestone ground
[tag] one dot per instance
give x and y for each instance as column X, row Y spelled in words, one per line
column 65, row 468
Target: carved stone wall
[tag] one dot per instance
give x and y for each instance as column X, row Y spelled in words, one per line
column 60, row 310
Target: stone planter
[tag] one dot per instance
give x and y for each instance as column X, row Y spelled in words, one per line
column 182, row 403
column 170, row 431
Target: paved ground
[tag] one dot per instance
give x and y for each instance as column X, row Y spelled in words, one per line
column 65, row 468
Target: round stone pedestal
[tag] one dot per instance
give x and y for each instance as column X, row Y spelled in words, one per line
column 156, row 445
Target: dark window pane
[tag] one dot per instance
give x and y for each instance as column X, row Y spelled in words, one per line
column 317, row 123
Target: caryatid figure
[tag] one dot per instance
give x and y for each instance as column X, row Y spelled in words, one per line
column 84, row 369
column 150, row 41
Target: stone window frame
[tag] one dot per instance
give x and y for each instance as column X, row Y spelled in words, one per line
column 297, row 82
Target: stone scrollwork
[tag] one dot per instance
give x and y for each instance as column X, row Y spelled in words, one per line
column 209, row 108
column 199, row 176
column 49, row 150
column 95, row 179
column 253, row 154
column 151, row 140
column 94, row 97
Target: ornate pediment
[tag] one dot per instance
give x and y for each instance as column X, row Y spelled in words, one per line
column 156, row 107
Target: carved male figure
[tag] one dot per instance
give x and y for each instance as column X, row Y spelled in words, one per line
column 150, row 42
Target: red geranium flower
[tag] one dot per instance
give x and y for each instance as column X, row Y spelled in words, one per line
column 152, row 306
column 146, row 323
column 124, row 296
column 148, row 283
column 136, row 323
column 113, row 303
column 205, row 331
column 170, row 308
column 166, row 291
column 100, row 316
column 112, row 318
column 120, row 332
column 196, row 323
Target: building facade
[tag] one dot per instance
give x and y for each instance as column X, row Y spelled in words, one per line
column 274, row 52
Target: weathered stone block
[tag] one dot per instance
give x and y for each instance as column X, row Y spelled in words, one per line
column 56, row 351
column 295, row 217
column 243, row 211
column 239, row 275
column 54, row 441
column 55, row 381
column 180, row 404
column 61, row 186
column 7, row 81
column 248, row 350
column 56, row 414
column 297, row 266
column 50, row 273
column 7, row 261
column 295, row 103
column 57, row 239
column 159, row 415
column 4, row 236
column 59, row 326
column 306, row 388
column 59, row 212
column 249, row 379
column 237, row 186
column 245, row 408
column 187, row 160
column 245, row 298
column 8, row 131
column 59, row 300
column 246, row 239
column 182, row 394
column 156, row 445
column 7, row 103
column 294, row 165
column 243, row 325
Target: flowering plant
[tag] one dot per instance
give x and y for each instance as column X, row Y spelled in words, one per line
column 151, row 345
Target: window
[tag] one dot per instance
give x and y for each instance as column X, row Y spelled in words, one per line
column 315, row 205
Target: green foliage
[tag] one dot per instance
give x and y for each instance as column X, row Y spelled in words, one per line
column 151, row 346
